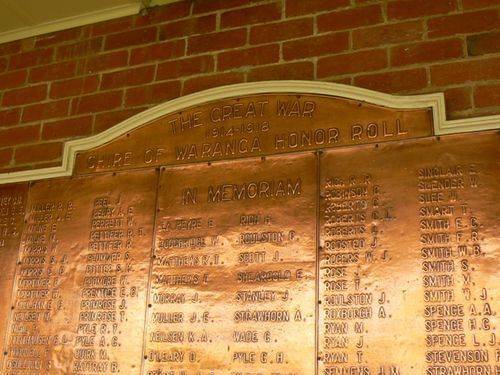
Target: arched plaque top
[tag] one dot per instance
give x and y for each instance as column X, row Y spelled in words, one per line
column 252, row 119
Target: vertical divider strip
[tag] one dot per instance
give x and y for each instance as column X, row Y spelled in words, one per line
column 150, row 271
column 317, row 301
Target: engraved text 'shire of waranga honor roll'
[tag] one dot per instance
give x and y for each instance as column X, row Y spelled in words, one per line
column 291, row 228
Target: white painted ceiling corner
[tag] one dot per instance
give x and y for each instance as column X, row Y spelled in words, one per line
column 21, row 19
column 153, row 3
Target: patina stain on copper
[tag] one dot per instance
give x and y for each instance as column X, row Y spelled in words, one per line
column 80, row 288
column 252, row 126
column 12, row 205
column 233, row 281
column 409, row 257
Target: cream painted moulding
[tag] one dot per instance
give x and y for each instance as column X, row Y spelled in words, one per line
column 435, row 101
column 70, row 22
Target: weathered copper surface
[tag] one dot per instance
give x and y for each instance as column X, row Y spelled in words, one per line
column 12, row 205
column 295, row 257
column 252, row 126
column 233, row 281
column 409, row 275
column 80, row 289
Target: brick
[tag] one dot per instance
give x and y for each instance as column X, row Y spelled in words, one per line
column 300, row 7
column 128, row 77
column 46, row 164
column 57, row 37
column 11, row 80
column 185, row 67
column 111, row 26
column 39, row 152
column 73, row 127
column 74, row 87
column 260, row 55
column 403, row 9
column 217, row 41
column 10, row 116
column 6, row 156
column 352, row 63
column 131, row 38
column 31, row 166
column 10, row 169
column 458, row 99
column 53, row 72
column 426, row 52
column 80, row 49
column 45, row 111
column 316, row 46
column 395, row 81
column 3, row 65
column 150, row 94
column 344, row 81
column 164, row 13
column 297, row 70
column 482, row 44
column 350, row 18
column 107, row 120
column 31, row 58
column 375, row 36
column 206, row 82
column 158, row 51
column 252, row 15
column 107, row 61
column 487, row 95
column 98, row 102
column 10, row 48
column 476, row 4
column 25, row 95
column 281, row 31
column 205, row 6
column 18, row 135
column 465, row 71
column 464, row 23
column 189, row 26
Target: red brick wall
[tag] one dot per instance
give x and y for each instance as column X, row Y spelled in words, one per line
column 81, row 81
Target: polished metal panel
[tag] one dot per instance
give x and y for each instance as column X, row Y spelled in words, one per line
column 264, row 235
column 233, row 281
column 80, row 289
column 409, row 275
column 255, row 125
column 12, row 206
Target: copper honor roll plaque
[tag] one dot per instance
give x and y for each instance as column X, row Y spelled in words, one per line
column 259, row 235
